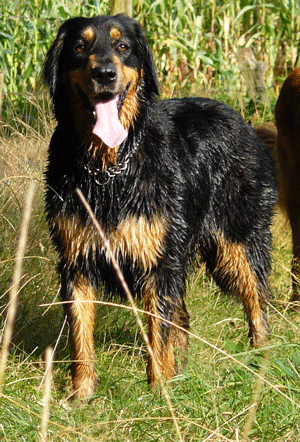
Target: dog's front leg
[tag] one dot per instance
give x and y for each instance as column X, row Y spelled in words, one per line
column 168, row 343
column 79, row 307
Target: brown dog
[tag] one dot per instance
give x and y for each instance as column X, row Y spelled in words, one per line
column 287, row 116
column 284, row 147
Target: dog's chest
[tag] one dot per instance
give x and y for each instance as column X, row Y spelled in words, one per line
column 136, row 239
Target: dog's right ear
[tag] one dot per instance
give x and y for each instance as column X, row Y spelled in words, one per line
column 52, row 63
column 148, row 64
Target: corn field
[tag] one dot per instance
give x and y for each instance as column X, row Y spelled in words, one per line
column 196, row 43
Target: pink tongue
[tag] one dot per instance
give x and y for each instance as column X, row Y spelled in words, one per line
column 108, row 126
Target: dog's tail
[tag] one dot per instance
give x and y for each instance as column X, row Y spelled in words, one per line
column 267, row 133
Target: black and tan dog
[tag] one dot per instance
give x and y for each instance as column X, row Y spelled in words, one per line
column 167, row 180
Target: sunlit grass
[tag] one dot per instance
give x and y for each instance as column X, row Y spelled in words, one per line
column 214, row 397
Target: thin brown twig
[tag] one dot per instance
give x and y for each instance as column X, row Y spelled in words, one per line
column 47, row 395
column 17, row 275
column 258, row 386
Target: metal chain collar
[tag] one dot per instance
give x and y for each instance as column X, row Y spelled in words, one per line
column 113, row 170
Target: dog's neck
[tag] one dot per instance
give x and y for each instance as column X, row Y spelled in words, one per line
column 100, row 153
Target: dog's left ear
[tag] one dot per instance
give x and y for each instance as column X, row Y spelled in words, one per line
column 51, row 66
column 150, row 74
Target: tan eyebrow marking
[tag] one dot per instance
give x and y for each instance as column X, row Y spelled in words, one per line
column 88, row 34
column 115, row 33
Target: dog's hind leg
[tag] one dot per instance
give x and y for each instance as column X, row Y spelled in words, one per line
column 169, row 344
column 80, row 311
column 231, row 268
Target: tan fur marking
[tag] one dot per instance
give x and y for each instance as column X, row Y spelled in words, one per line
column 88, row 34
column 140, row 239
column 136, row 238
column 92, row 61
column 167, row 353
column 107, row 154
column 75, row 236
column 115, row 33
column 82, row 347
column 130, row 108
column 232, row 264
column 164, row 354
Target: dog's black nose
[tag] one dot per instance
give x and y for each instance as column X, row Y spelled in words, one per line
column 104, row 75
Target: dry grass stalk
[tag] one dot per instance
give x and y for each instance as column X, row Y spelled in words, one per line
column 47, row 394
column 17, row 275
column 257, row 389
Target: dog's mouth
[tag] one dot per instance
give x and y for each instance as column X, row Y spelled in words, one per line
column 104, row 109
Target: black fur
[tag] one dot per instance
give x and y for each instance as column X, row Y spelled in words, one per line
column 192, row 165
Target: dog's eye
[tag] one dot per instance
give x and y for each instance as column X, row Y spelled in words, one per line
column 123, row 47
column 79, row 48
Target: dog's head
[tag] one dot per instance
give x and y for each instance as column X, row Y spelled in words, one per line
column 99, row 70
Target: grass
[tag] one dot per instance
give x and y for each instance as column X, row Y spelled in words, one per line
column 212, row 400
column 229, row 392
